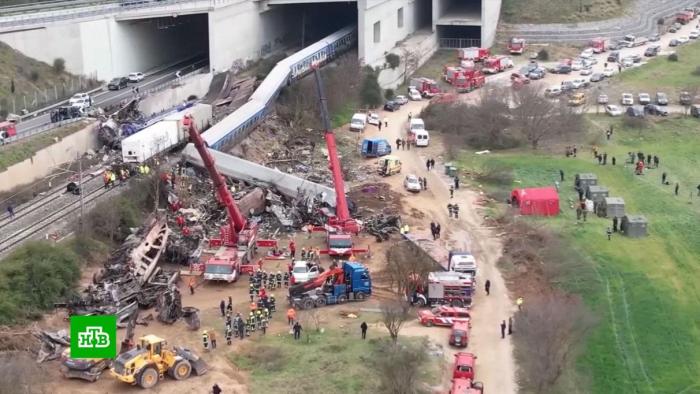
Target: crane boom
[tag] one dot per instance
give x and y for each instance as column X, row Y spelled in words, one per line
column 237, row 221
column 343, row 221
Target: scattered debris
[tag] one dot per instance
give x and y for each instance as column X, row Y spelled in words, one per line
column 52, row 344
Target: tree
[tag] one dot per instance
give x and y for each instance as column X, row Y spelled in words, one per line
column 539, row 119
column 394, row 314
column 59, row 65
column 370, row 91
column 543, row 55
column 549, row 330
column 389, row 93
column 393, row 60
column 399, row 366
column 12, row 86
column 411, row 61
column 405, row 260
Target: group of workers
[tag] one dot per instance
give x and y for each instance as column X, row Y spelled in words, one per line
column 261, row 280
column 123, row 173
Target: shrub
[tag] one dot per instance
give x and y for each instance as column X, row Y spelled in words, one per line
column 660, row 21
column 370, row 91
column 673, row 57
column 543, row 55
column 59, row 65
column 696, row 72
column 389, row 94
column 393, row 60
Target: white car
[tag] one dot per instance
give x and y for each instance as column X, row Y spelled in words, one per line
column 411, row 183
column 580, row 83
column 590, row 62
column 613, row 110
column 401, row 100
column 79, row 97
column 136, row 77
column 694, row 34
column 644, row 98
column 683, row 39
column 577, row 65
column 373, row 119
column 627, row 62
column 414, row 95
column 603, row 99
column 586, row 71
column 587, row 53
column 627, row 99
column 608, row 72
column 302, row 273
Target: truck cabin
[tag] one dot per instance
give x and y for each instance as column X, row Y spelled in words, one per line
column 464, row 366
column 7, row 130
column 357, row 277
column 339, row 244
column 459, row 335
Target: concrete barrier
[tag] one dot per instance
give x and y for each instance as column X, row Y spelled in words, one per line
column 170, row 96
column 47, row 160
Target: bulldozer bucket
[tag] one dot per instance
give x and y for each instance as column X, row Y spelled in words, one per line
column 199, row 366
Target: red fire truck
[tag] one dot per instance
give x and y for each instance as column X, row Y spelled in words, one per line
column 473, row 53
column 516, row 46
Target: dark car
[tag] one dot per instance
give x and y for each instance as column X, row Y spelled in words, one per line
column 653, row 109
column 652, row 51
column 537, row 73
column 674, row 43
column 614, row 57
column 118, row 83
column 615, row 45
column 654, row 37
column 561, row 69
column 636, row 58
column 392, row 106
column 635, row 111
column 661, row 98
column 695, row 111
column 597, row 77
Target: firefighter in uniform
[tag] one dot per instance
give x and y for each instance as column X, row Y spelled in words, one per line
column 263, row 323
column 279, row 279
column 228, row 334
column 286, row 279
column 205, row 340
column 251, row 292
column 251, row 322
column 258, row 319
column 271, row 281
column 271, row 303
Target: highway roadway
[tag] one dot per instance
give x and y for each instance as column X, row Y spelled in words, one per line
column 108, row 97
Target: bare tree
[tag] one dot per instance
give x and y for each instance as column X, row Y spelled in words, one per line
column 394, row 314
column 405, row 262
column 411, row 60
column 539, row 119
column 399, row 366
column 549, row 331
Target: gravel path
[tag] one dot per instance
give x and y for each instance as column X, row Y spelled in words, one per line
column 641, row 20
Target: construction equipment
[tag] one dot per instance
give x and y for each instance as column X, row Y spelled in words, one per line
column 150, row 361
column 89, row 369
column 516, row 46
column 336, row 285
column 236, row 242
column 339, row 226
column 447, row 287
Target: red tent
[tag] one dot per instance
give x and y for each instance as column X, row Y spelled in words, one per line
column 542, row 201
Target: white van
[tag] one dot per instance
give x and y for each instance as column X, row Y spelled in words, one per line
column 358, row 122
column 422, row 137
column 416, row 124
column 553, row 91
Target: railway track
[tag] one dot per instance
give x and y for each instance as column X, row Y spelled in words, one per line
column 45, row 221
column 25, row 209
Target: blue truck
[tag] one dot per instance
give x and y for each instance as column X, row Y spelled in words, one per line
column 335, row 285
column 375, row 147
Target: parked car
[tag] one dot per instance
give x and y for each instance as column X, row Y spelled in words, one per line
column 411, row 183
column 653, row 109
column 443, row 316
column 136, row 77
column 459, row 336
column 561, row 69
column 674, row 28
column 693, row 35
column 685, row 98
column 644, row 98
column 655, row 37
column 597, row 77
column 627, row 99
column 590, row 62
column 392, row 106
column 118, row 83
column 661, row 98
column 587, row 53
column 301, row 272
column 652, row 50
column 567, row 86
column 401, row 100
column 636, row 58
column 577, row 65
column 553, row 91
column 635, row 111
column 614, row 57
column 537, row 73
column 519, row 77
column 586, row 71
column 608, row 72
column 577, row 99
column 674, row 43
column 615, row 45
column 613, row 110
column 695, row 111
column 580, row 83
column 683, row 39
column 414, row 95
column 603, row 99
column 373, row 118
column 79, row 97
column 627, row 62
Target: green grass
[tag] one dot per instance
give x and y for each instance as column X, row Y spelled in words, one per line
column 17, row 152
column 335, row 361
column 558, row 11
column 343, row 116
column 645, row 290
column 433, row 68
column 659, row 74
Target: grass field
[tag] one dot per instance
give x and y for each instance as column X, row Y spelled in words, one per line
column 17, row 152
column 558, row 11
column 660, row 74
column 644, row 290
column 335, row 361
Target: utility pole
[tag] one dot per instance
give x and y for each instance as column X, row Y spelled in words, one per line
column 80, row 189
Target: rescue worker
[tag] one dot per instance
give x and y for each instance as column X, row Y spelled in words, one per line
column 212, row 338
column 222, row 306
column 297, row 330
column 105, row 178
column 279, row 279
column 285, row 277
column 455, row 208
column 205, row 340
column 271, row 281
column 310, row 255
column 449, row 209
column 251, row 322
column 251, row 292
column 262, row 293
column 519, row 303
column 452, row 191
column 112, row 178
column 258, row 318
column 229, row 306
column 291, row 316
column 292, row 249
column 271, row 303
column 228, row 334
column 303, row 253
column 191, row 284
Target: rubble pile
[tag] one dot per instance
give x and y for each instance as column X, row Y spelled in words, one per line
column 52, row 344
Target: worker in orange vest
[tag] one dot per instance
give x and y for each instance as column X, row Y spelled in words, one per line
column 291, row 316
column 192, row 285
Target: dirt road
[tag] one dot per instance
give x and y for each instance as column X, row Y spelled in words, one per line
column 495, row 366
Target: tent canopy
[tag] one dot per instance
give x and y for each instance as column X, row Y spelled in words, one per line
column 542, row 201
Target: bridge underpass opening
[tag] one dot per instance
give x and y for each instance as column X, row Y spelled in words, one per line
column 309, row 23
column 459, row 23
column 144, row 44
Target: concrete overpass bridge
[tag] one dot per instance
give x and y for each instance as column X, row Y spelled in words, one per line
column 112, row 38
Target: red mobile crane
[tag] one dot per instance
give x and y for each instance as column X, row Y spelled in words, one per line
column 235, row 244
column 340, row 227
